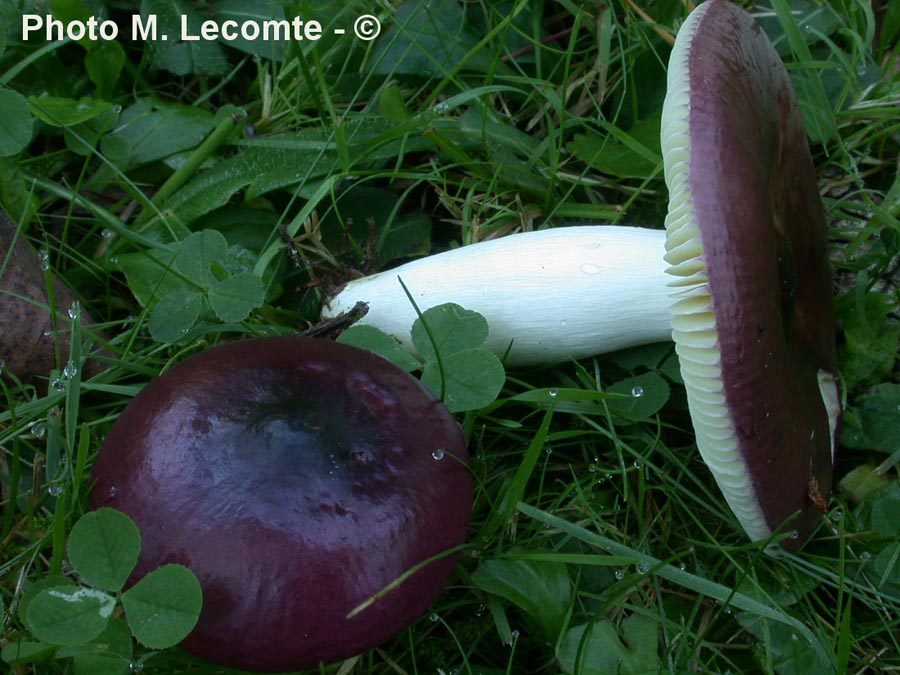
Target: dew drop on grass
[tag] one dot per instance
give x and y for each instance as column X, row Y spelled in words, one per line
column 434, row 618
column 642, row 567
column 74, row 310
column 553, row 393
column 54, row 490
column 438, row 454
column 637, row 392
column 620, row 574
column 58, row 384
column 38, row 430
column 44, row 259
column 70, row 371
column 865, row 556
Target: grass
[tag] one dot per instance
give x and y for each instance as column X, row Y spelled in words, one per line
column 594, row 533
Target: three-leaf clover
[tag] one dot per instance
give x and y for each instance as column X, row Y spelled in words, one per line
column 205, row 285
column 81, row 620
column 449, row 338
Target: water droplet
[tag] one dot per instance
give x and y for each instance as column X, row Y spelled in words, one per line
column 637, row 392
column 136, row 666
column 107, row 234
column 836, row 516
column 54, row 490
column 58, row 384
column 515, row 635
column 549, row 451
column 682, row 567
column 74, row 310
column 111, row 493
column 620, row 574
column 438, row 454
column 434, row 618
column 38, row 430
column 865, row 556
column 795, row 535
column 44, row 259
column 638, row 463
column 70, row 371
column 114, row 260
column 642, row 567
column 588, row 268
column 479, row 610
column 592, row 468
column 47, row 333
column 553, row 393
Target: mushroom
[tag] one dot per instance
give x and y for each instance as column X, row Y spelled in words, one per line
column 750, row 297
column 298, row 478
column 31, row 340
column 753, row 321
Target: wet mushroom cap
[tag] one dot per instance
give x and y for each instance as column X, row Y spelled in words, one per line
column 297, row 478
column 753, row 320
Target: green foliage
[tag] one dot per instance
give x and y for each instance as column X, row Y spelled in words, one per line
column 430, row 39
column 541, row 589
column 204, row 276
column 71, row 620
column 635, row 154
column 104, row 546
column 149, row 130
column 181, row 57
column 162, row 608
column 455, row 366
column 598, row 648
column 16, row 124
column 873, row 423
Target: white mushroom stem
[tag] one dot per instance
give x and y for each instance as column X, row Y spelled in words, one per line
column 548, row 296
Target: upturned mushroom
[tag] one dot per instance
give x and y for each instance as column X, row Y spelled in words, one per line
column 748, row 299
column 298, row 478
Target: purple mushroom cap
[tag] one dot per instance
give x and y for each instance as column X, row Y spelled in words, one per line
column 297, row 478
